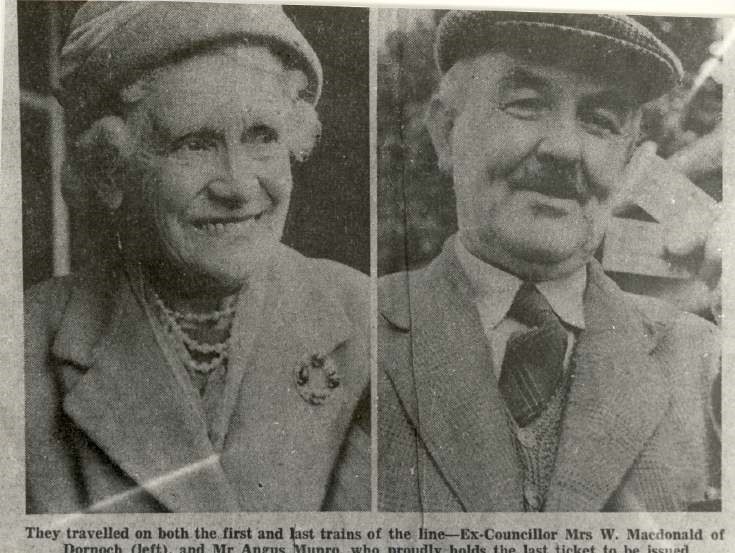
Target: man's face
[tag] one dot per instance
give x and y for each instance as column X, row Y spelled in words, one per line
column 213, row 152
column 537, row 153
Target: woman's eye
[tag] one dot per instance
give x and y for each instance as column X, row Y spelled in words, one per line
column 260, row 134
column 524, row 106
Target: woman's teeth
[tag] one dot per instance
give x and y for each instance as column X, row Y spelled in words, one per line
column 226, row 227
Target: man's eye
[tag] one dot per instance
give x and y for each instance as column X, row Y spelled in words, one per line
column 601, row 122
column 196, row 143
column 260, row 134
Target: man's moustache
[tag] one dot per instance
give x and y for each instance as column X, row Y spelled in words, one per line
column 566, row 181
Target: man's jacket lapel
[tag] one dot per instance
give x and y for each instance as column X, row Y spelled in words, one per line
column 616, row 400
column 450, row 389
column 130, row 405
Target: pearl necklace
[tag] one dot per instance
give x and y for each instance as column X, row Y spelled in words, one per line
column 228, row 311
column 174, row 323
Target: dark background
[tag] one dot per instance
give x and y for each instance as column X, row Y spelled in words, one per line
column 330, row 214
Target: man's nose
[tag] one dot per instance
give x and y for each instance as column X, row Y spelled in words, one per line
column 238, row 177
column 562, row 139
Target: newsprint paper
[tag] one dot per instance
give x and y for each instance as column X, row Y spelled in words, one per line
column 340, row 278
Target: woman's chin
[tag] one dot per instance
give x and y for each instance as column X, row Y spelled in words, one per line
column 229, row 274
column 212, row 269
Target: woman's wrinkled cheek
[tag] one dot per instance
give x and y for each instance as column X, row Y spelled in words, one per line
column 276, row 179
column 140, row 225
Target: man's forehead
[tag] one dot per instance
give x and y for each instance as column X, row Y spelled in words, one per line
column 511, row 69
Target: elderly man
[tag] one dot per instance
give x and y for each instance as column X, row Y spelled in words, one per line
column 198, row 364
column 515, row 376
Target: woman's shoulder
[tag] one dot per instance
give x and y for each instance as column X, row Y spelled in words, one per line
column 45, row 302
column 89, row 288
column 76, row 306
column 331, row 277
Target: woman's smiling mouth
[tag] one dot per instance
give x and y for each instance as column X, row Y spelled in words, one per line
column 218, row 226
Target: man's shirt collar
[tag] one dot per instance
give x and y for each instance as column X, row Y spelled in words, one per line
column 495, row 289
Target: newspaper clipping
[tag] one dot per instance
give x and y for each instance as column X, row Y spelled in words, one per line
column 364, row 279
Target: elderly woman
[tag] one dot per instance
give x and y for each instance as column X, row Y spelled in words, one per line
column 198, row 364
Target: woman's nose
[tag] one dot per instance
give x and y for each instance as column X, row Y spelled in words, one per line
column 238, row 178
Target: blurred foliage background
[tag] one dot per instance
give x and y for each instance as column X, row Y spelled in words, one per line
column 415, row 201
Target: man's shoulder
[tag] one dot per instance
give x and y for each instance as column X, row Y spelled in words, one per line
column 667, row 319
column 393, row 288
column 687, row 346
column 660, row 318
column 394, row 296
column 425, row 289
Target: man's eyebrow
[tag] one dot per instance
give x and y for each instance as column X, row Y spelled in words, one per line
column 519, row 77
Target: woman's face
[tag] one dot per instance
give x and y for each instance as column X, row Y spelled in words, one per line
column 213, row 166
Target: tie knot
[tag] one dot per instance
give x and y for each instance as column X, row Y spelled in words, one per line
column 531, row 308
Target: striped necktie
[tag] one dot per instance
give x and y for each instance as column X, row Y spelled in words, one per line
column 533, row 364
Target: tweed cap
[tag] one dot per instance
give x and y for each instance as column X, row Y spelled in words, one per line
column 615, row 46
column 111, row 44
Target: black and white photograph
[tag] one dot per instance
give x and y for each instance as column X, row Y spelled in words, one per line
column 362, row 276
column 548, row 203
column 196, row 249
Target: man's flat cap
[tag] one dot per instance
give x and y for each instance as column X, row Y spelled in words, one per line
column 614, row 46
column 111, row 44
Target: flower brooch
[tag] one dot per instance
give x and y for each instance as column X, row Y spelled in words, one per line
column 316, row 377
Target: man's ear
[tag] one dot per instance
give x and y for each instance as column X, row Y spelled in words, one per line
column 105, row 149
column 440, row 122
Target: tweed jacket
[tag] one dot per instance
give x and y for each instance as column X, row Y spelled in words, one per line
column 633, row 430
column 108, row 427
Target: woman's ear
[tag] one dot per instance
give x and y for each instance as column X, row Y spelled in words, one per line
column 440, row 122
column 104, row 149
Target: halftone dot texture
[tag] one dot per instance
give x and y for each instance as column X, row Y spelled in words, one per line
column 614, row 46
